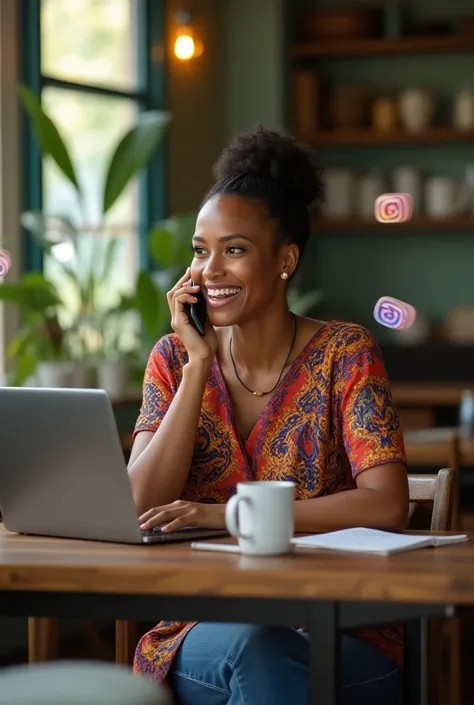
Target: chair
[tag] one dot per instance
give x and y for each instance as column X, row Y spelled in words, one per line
column 437, row 490
column 78, row 683
column 43, row 639
column 443, row 635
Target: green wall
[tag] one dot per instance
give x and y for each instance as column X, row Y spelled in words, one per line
column 255, row 64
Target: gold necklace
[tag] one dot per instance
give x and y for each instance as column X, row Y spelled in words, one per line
column 256, row 392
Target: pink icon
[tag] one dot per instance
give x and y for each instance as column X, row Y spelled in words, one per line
column 393, row 313
column 5, row 262
column 394, row 207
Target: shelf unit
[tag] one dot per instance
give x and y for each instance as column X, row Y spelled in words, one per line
column 373, row 227
column 309, row 101
column 367, row 137
column 403, row 46
column 304, row 52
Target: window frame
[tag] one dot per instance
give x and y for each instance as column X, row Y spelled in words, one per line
column 149, row 95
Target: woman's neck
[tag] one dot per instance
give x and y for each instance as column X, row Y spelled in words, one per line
column 258, row 345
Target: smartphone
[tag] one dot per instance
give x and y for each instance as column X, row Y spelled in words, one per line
column 197, row 313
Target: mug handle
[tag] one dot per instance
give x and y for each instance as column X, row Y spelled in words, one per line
column 232, row 516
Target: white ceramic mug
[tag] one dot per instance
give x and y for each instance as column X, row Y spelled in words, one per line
column 340, row 194
column 441, row 197
column 409, row 179
column 260, row 515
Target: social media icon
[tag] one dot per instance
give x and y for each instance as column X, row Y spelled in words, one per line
column 393, row 313
column 394, row 207
column 5, row 262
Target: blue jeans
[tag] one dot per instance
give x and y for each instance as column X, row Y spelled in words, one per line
column 245, row 664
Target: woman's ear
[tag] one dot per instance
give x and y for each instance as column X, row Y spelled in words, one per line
column 290, row 258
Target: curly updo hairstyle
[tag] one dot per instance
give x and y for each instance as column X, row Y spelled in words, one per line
column 271, row 167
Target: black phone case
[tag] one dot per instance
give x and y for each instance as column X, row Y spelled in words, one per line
column 197, row 313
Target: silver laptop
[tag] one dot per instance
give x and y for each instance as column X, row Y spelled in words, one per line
column 62, row 469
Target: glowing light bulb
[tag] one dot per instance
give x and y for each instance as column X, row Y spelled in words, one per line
column 184, row 47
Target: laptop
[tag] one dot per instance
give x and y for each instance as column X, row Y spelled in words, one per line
column 63, row 473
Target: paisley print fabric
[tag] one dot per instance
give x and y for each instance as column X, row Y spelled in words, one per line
column 331, row 418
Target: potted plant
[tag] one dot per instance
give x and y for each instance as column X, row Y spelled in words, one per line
column 92, row 253
column 41, row 346
column 117, row 327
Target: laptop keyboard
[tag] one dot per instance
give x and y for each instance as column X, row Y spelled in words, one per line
column 160, row 536
column 187, row 534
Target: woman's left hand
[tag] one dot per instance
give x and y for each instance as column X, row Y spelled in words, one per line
column 172, row 517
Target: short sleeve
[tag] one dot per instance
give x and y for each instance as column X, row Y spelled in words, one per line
column 159, row 387
column 371, row 428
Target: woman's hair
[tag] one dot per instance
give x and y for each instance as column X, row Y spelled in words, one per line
column 270, row 166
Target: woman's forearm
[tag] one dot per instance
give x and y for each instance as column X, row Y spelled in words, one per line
column 160, row 473
column 371, row 508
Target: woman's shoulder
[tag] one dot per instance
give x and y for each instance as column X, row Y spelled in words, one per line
column 342, row 335
column 168, row 352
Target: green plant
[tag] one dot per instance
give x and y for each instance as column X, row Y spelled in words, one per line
column 93, row 255
column 169, row 245
column 40, row 337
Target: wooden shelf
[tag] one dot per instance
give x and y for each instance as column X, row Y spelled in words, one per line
column 384, row 46
column 367, row 137
column 428, row 394
column 421, row 223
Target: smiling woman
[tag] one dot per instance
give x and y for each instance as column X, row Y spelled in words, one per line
column 264, row 395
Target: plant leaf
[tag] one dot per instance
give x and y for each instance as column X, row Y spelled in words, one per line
column 19, row 344
column 162, row 246
column 133, row 152
column 33, row 293
column 110, row 254
column 50, row 141
column 149, row 304
column 25, row 366
column 170, row 241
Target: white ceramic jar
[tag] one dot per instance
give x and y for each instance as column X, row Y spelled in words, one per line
column 464, row 110
column 409, row 179
column 340, row 193
column 416, row 109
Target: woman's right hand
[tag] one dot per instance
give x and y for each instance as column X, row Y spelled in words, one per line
column 198, row 348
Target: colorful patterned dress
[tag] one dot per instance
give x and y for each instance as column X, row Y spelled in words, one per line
column 331, row 418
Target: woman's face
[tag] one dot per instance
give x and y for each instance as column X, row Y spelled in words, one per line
column 236, row 261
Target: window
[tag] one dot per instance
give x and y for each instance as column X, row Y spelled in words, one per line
column 91, row 62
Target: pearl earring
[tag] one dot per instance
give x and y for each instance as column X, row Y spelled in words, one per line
column 284, row 275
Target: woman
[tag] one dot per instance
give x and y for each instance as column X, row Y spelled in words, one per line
column 264, row 395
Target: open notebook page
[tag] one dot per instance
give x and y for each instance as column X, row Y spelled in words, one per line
column 363, row 540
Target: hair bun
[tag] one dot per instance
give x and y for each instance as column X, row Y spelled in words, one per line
column 272, row 155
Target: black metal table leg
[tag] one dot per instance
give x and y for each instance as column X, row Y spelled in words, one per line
column 415, row 664
column 323, row 627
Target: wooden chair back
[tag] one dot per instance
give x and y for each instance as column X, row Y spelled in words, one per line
column 437, row 490
column 444, row 657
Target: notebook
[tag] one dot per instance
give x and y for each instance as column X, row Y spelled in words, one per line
column 373, row 541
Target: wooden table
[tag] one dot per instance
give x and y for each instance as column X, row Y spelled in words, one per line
column 326, row 592
column 431, row 447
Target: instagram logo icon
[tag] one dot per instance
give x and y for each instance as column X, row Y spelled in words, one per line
column 394, row 313
column 5, row 262
column 394, row 207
